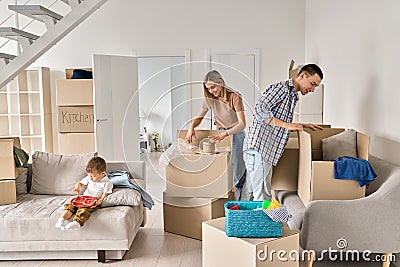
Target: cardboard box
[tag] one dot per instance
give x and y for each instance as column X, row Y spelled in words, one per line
column 293, row 72
column 220, row 250
column 76, row 119
column 73, row 143
column 316, row 177
column 8, row 169
column 183, row 216
column 74, row 92
column 195, row 175
column 8, row 193
column 285, row 173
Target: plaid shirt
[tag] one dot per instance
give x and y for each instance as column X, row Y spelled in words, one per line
column 279, row 101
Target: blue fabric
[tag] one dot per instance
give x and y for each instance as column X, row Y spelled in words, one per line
column 122, row 179
column 349, row 168
column 239, row 167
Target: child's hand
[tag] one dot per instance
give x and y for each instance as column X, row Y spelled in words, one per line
column 98, row 202
column 76, row 191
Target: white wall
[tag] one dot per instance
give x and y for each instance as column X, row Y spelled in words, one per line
column 125, row 26
column 357, row 44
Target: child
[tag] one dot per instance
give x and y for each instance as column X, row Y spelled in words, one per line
column 98, row 186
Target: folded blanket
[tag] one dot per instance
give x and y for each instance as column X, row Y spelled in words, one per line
column 349, row 168
column 121, row 179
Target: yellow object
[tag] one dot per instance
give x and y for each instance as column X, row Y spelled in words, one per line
column 274, row 204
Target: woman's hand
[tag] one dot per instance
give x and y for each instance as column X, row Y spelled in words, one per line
column 219, row 137
column 191, row 135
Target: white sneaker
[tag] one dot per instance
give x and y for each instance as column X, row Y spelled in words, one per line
column 61, row 223
column 73, row 226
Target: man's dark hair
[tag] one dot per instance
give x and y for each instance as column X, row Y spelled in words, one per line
column 310, row 70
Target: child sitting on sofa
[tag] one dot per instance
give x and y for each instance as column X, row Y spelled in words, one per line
column 98, row 186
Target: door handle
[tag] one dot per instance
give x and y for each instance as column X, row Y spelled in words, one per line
column 100, row 120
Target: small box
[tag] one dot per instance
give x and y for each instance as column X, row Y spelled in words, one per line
column 8, row 193
column 293, row 71
column 75, row 119
column 184, row 215
column 73, row 143
column 8, row 168
column 316, row 177
column 221, row 250
column 74, row 92
column 194, row 175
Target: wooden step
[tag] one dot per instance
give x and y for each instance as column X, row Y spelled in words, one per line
column 37, row 12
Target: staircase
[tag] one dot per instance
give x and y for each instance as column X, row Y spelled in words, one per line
column 34, row 46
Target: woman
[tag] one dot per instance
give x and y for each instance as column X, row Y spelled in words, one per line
column 228, row 109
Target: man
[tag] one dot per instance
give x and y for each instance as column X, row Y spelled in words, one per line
column 269, row 132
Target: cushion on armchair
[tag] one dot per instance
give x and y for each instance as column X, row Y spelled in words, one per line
column 54, row 174
column 340, row 145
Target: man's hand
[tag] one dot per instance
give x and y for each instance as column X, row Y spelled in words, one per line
column 312, row 126
column 294, row 126
column 219, row 137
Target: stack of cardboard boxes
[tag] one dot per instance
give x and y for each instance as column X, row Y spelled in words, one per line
column 197, row 186
column 8, row 170
column 75, row 115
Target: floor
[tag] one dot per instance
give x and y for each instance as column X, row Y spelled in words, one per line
column 154, row 247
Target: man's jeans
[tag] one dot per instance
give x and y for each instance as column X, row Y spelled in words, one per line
column 258, row 180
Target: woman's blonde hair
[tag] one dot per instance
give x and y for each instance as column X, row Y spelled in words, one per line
column 215, row 77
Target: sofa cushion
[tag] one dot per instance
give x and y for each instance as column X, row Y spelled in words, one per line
column 54, row 174
column 340, row 145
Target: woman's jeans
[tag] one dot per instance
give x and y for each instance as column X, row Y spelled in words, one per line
column 258, row 181
column 239, row 167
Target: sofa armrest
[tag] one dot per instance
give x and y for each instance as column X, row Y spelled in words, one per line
column 368, row 223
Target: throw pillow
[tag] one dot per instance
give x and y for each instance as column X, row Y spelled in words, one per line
column 122, row 197
column 21, row 182
column 54, row 174
column 340, row 145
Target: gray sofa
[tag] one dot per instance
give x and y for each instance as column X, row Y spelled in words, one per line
column 369, row 223
column 27, row 228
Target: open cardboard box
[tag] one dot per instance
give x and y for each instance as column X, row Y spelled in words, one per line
column 220, row 250
column 200, row 175
column 316, row 177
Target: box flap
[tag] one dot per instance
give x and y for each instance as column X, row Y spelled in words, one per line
column 363, row 145
column 304, row 179
column 317, row 136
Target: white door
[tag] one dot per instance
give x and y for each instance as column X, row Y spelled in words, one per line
column 116, row 107
column 239, row 71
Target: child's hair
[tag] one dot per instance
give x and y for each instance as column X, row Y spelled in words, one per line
column 96, row 164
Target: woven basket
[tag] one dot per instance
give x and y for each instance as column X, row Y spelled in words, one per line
column 248, row 222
